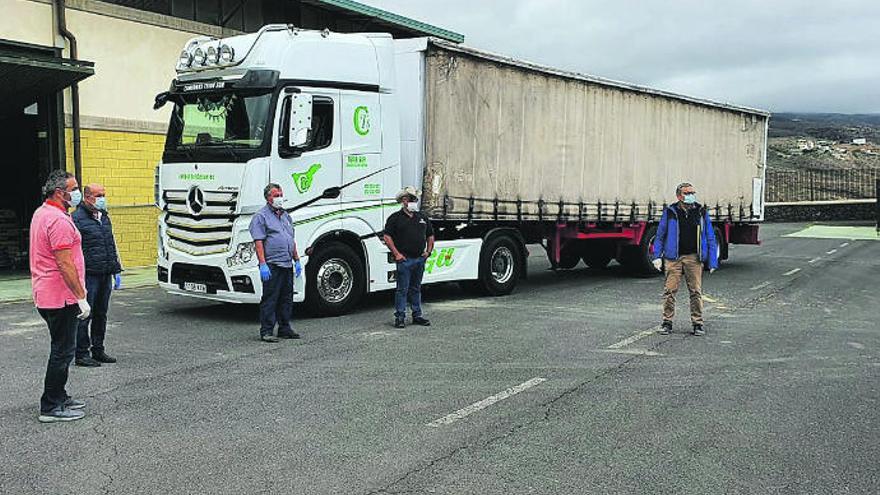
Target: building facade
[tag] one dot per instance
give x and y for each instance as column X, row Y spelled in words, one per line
column 77, row 84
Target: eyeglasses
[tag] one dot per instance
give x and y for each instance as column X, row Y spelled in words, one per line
column 685, row 193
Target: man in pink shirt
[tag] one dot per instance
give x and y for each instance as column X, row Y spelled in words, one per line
column 58, row 280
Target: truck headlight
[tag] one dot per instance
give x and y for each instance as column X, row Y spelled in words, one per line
column 244, row 254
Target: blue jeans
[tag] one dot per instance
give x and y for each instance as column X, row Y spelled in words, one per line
column 98, row 289
column 62, row 332
column 276, row 305
column 409, row 286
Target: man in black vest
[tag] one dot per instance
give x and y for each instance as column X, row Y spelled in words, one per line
column 102, row 273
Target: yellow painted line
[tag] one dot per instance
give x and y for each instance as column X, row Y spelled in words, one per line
column 709, row 299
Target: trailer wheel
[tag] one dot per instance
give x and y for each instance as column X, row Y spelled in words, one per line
column 597, row 260
column 500, row 266
column 721, row 252
column 597, row 255
column 335, row 283
column 569, row 257
column 638, row 259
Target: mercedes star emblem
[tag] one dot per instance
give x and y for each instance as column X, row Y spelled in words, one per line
column 195, row 200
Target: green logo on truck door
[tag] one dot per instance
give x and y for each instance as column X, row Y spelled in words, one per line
column 362, row 120
column 439, row 260
column 303, row 181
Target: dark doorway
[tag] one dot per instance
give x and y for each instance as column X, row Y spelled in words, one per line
column 31, row 139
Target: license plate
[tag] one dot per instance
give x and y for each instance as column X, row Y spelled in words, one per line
column 194, row 287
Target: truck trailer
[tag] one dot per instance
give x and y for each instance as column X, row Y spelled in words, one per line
column 506, row 153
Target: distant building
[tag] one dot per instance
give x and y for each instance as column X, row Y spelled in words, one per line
column 806, row 145
column 860, row 141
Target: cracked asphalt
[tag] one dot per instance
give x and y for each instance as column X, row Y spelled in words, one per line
column 781, row 396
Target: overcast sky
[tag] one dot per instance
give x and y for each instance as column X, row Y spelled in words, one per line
column 779, row 55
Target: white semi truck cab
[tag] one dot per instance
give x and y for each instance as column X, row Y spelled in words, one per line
column 310, row 111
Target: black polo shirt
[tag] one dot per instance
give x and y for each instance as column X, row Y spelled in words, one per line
column 688, row 220
column 409, row 233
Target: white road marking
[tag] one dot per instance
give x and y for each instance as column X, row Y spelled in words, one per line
column 831, row 252
column 709, row 299
column 634, row 352
column 815, row 260
column 760, row 286
column 791, row 272
column 725, row 342
column 845, row 244
column 488, row 401
column 629, row 340
column 18, row 331
column 856, row 345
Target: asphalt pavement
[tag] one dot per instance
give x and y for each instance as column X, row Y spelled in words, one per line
column 563, row 387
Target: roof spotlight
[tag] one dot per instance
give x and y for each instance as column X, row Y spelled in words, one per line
column 227, row 54
column 213, row 56
column 185, row 59
column 199, row 57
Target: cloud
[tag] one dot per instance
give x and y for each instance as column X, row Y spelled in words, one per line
column 783, row 55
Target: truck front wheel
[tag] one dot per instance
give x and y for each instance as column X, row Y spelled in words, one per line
column 500, row 266
column 335, row 283
column 638, row 259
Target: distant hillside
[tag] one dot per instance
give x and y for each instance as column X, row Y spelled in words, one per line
column 823, row 141
column 831, row 126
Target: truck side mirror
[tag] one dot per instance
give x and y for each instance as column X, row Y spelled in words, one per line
column 300, row 120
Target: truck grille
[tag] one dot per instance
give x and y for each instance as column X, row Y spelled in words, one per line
column 199, row 222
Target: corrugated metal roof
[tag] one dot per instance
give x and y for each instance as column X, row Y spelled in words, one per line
column 422, row 28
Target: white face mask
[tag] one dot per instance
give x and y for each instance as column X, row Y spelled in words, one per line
column 412, row 206
column 278, row 202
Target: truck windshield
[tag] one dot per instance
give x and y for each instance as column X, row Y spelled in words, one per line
column 220, row 126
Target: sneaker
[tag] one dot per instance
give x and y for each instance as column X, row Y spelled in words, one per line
column 399, row 323
column 61, row 414
column 665, row 328
column 269, row 338
column 87, row 362
column 418, row 320
column 103, row 357
column 699, row 330
column 74, row 404
column 288, row 335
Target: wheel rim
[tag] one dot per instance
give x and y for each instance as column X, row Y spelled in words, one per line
column 502, row 265
column 335, row 280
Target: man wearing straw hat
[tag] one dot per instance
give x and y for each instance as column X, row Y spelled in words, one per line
column 410, row 237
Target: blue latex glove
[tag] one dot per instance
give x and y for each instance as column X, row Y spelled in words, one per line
column 265, row 272
column 297, row 268
column 117, row 281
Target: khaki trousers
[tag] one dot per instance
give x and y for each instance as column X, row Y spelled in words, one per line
column 688, row 265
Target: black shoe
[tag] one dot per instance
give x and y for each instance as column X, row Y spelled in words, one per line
column 60, row 414
column 87, row 362
column 665, row 328
column 288, row 335
column 103, row 357
column 399, row 323
column 699, row 331
column 418, row 320
column 269, row 338
column 74, row 404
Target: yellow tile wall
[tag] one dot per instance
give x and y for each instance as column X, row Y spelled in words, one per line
column 125, row 163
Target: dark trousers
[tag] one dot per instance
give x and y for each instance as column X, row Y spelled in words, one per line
column 276, row 305
column 62, row 332
column 409, row 286
column 98, row 289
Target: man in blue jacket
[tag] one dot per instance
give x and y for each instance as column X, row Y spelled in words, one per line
column 102, row 273
column 685, row 242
